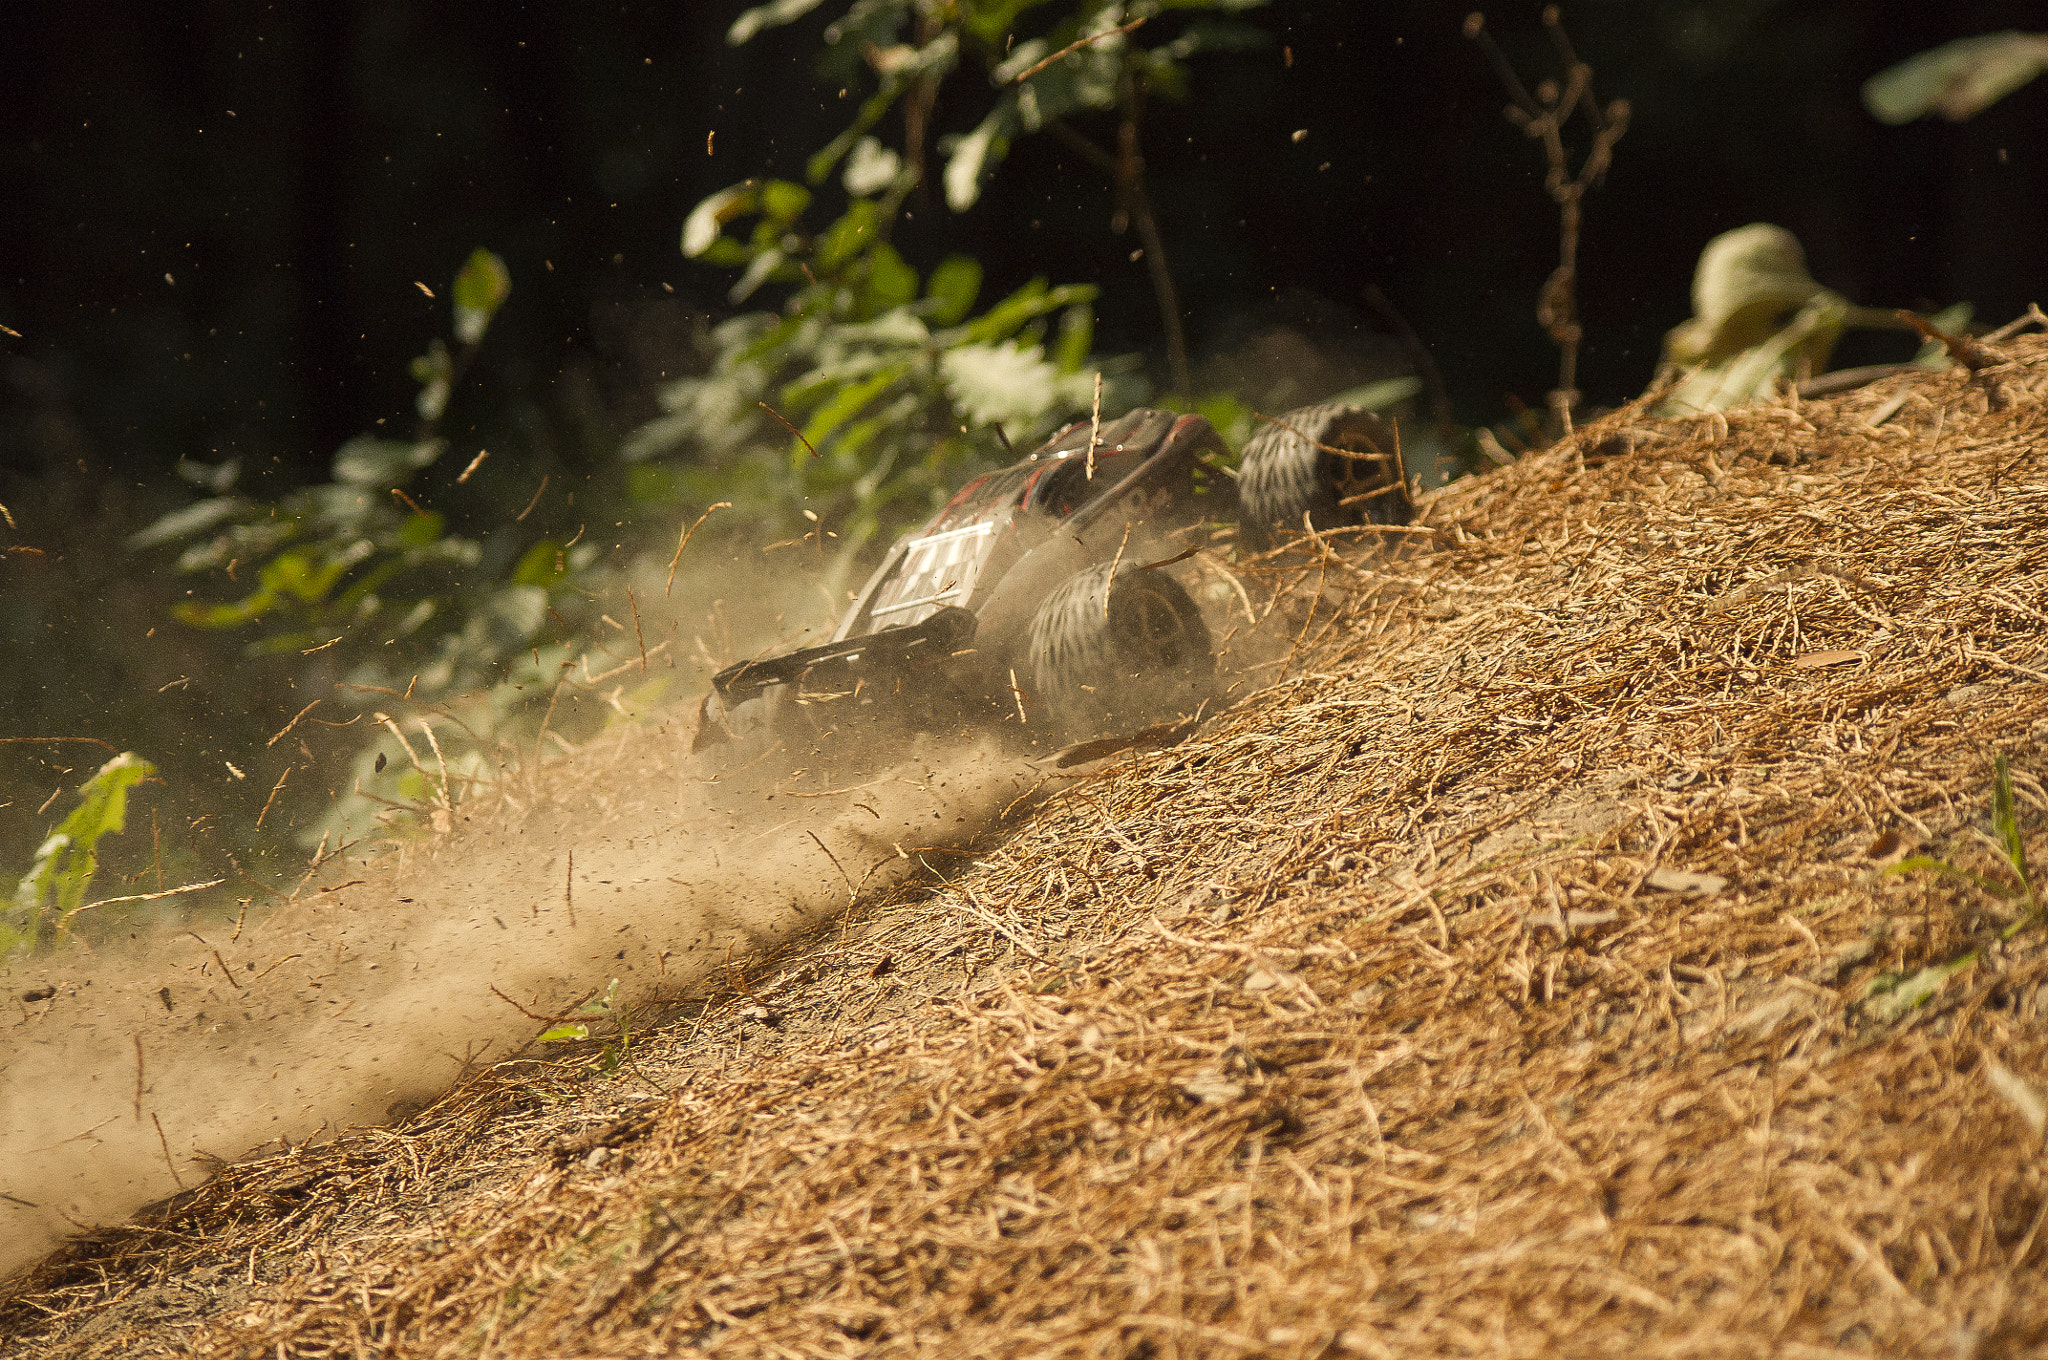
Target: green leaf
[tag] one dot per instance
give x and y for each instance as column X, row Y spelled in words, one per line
column 1377, row 396
column 971, row 157
column 233, row 615
column 1957, row 80
column 541, row 565
column 1010, row 315
column 480, row 289
column 847, row 237
column 992, row 20
column 702, row 227
column 1009, row 384
column 783, row 202
column 1954, row 320
column 420, row 530
column 848, row 403
column 772, row 15
column 1231, row 417
column 650, row 484
column 521, row 609
column 563, row 1034
column 196, row 518
column 434, row 371
column 219, row 478
column 299, row 573
column 871, row 168
column 891, row 283
column 66, row 862
column 2005, row 821
column 1753, row 374
column 1216, row 35
column 1076, row 339
column 367, row 461
column 871, row 110
column 1747, row 286
column 953, row 286
column 1892, row 996
column 1941, row 867
column 765, row 267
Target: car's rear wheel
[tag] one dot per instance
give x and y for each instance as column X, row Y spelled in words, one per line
column 1111, row 653
column 1296, row 466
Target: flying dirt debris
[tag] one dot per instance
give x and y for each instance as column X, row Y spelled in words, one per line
column 1039, row 602
column 130, row 1078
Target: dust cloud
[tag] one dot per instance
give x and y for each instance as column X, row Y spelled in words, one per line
column 125, row 1078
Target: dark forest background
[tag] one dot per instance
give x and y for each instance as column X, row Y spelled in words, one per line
column 214, row 216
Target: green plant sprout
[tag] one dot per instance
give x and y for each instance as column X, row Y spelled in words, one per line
column 54, row 888
column 618, row 1050
column 2005, row 836
column 1891, row 995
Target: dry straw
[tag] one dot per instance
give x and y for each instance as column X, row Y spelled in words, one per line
column 1491, row 983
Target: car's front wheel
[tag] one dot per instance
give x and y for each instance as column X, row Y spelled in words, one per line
column 1110, row 652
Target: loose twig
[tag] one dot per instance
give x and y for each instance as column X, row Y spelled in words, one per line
column 293, row 723
column 638, row 636
column 1080, row 43
column 787, row 426
column 1961, row 348
column 520, row 518
column 1094, row 427
column 684, row 542
column 1109, row 584
column 273, row 795
column 851, row 891
column 165, row 1143
column 151, row 897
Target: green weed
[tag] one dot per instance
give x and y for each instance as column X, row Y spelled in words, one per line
column 2006, row 839
column 1891, row 995
column 618, row 1050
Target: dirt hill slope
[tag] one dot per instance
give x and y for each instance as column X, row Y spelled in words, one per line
column 1517, row 975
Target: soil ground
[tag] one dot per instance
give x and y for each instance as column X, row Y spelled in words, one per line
column 1538, row 965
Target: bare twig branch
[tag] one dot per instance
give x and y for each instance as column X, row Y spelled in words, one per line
column 1542, row 117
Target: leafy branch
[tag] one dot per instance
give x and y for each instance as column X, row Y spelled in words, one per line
column 1088, row 62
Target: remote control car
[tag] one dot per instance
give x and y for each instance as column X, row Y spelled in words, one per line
column 1039, row 599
